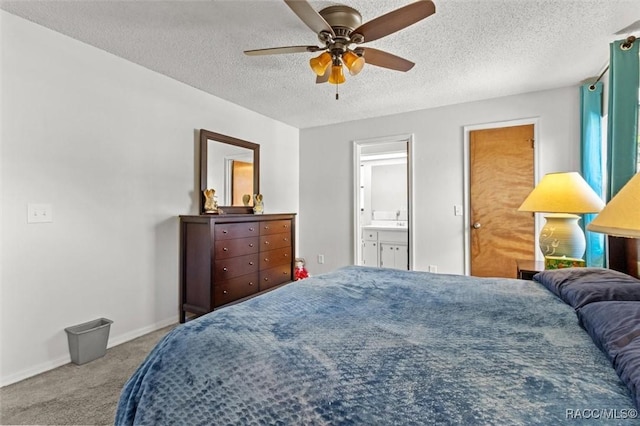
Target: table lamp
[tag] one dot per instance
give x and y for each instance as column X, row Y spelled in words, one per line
column 621, row 216
column 562, row 196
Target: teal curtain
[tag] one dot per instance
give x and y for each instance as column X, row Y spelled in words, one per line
column 622, row 132
column 591, row 158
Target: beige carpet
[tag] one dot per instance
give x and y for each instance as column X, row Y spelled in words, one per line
column 76, row 394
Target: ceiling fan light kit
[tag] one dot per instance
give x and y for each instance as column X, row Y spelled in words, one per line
column 353, row 62
column 320, row 64
column 338, row 27
column 336, row 76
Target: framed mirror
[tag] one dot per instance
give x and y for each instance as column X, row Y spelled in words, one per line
column 231, row 166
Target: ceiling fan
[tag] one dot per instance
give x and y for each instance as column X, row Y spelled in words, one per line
column 339, row 27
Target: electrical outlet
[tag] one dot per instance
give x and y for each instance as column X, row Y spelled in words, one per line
column 39, row 213
column 321, row 258
column 433, row 268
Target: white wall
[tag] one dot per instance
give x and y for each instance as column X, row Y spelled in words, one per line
column 113, row 147
column 326, row 180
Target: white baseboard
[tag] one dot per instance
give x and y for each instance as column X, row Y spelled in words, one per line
column 34, row 371
column 123, row 338
column 58, row 362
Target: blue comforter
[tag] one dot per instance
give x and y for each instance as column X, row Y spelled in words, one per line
column 369, row 346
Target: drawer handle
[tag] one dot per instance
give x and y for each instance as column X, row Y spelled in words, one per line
column 285, row 239
column 225, row 269
column 224, row 231
column 267, row 242
column 251, row 229
column 250, row 263
column 266, row 227
column 250, row 283
column 266, row 259
column 284, row 272
column 224, row 292
column 266, row 278
column 251, row 245
column 225, row 249
column 286, row 255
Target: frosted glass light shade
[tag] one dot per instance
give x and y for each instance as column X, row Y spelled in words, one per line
column 565, row 192
column 353, row 62
column 320, row 63
column 621, row 216
column 337, row 76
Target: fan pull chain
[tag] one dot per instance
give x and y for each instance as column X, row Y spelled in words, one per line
column 337, row 96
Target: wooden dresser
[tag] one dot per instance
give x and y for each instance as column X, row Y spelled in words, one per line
column 225, row 258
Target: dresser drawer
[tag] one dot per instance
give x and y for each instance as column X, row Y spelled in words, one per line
column 236, row 247
column 275, row 241
column 226, row 231
column 275, row 257
column 236, row 266
column 235, row 288
column 275, row 227
column 273, row 276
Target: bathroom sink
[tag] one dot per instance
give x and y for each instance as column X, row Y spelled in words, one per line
column 387, row 225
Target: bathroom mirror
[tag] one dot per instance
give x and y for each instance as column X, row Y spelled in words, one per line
column 231, row 166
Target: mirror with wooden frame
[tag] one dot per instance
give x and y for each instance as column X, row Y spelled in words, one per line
column 231, row 166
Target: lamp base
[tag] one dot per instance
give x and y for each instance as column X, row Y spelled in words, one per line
column 562, row 236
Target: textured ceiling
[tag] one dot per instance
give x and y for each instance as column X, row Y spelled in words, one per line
column 468, row 50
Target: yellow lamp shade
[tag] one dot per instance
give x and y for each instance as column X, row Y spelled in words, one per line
column 562, row 193
column 337, row 76
column 320, row 64
column 621, row 216
column 353, row 62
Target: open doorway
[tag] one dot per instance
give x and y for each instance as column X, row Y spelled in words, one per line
column 382, row 202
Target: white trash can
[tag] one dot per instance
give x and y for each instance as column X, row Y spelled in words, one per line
column 88, row 341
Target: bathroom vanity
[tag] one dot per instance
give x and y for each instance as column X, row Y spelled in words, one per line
column 385, row 245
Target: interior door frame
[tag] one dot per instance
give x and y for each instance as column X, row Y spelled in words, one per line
column 357, row 144
column 466, row 220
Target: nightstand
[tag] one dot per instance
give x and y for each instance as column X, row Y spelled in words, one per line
column 528, row 268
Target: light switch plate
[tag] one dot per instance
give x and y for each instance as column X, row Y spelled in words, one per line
column 39, row 213
column 457, row 210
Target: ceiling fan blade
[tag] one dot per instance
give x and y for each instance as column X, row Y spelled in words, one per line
column 279, row 50
column 396, row 20
column 309, row 16
column 386, row 60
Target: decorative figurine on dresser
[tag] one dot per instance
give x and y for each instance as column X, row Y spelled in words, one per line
column 210, row 204
column 258, row 205
column 226, row 258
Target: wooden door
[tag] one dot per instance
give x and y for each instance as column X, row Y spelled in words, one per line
column 501, row 176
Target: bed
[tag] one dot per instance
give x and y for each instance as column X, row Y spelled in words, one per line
column 371, row 346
